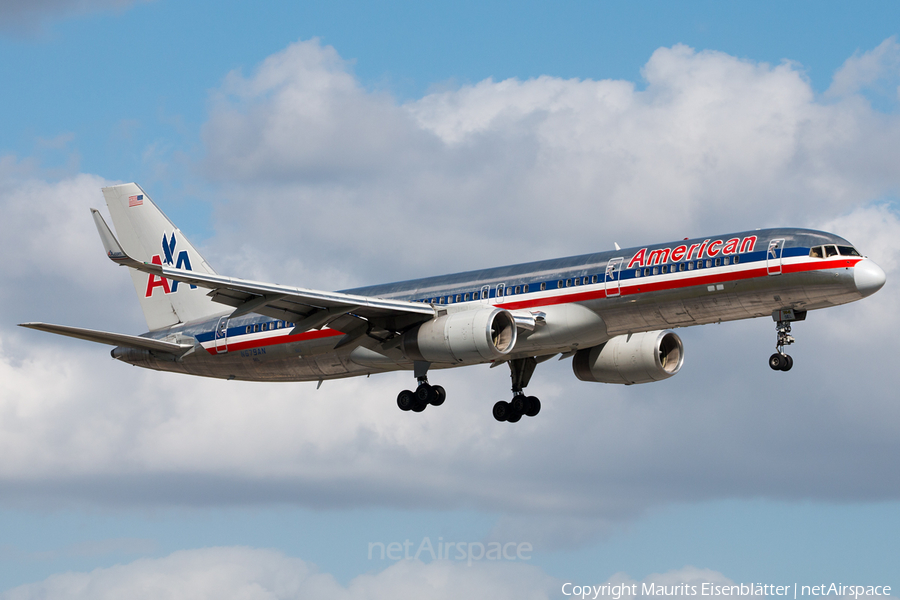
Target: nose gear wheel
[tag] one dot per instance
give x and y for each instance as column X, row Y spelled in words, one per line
column 781, row 361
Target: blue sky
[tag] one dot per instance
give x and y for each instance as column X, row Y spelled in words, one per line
column 589, row 122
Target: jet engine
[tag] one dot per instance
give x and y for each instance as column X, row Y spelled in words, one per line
column 467, row 336
column 633, row 358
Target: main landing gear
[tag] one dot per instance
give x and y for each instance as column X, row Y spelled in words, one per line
column 783, row 318
column 521, row 370
column 521, row 405
column 425, row 393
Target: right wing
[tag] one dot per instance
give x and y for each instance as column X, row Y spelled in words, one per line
column 308, row 309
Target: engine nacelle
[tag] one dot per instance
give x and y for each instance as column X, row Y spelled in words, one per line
column 467, row 336
column 635, row 358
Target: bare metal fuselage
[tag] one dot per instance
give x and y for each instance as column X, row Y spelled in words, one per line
column 562, row 305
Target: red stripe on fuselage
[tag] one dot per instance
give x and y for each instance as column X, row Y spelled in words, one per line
column 635, row 287
column 276, row 340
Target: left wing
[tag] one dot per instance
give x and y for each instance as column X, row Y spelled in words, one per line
column 308, row 309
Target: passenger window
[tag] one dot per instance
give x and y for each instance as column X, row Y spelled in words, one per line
column 646, row 272
column 656, row 270
column 816, row 252
column 690, row 266
column 595, row 279
column 737, row 259
column 256, row 328
column 249, row 329
column 718, row 262
column 466, row 297
column 664, row 269
column 543, row 286
column 524, row 289
column 576, row 281
column 637, row 272
column 681, row 267
column 830, row 251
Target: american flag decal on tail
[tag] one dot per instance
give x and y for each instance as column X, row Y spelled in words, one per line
column 135, row 200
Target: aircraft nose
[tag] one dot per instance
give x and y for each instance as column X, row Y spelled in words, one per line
column 868, row 277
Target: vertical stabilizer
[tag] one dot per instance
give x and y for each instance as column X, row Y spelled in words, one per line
column 149, row 236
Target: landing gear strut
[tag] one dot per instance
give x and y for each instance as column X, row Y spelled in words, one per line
column 521, row 370
column 783, row 318
column 425, row 393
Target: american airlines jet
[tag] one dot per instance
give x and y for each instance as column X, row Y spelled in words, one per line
column 611, row 312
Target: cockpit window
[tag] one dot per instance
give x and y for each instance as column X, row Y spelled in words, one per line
column 830, row 251
column 848, row 251
column 816, row 252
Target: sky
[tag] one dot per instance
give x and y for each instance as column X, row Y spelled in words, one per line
column 341, row 144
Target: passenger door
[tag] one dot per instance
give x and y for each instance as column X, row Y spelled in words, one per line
column 222, row 335
column 773, row 257
column 612, row 277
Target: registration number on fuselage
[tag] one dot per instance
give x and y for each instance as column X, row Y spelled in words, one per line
column 253, row 352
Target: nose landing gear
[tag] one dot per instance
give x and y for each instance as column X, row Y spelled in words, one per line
column 783, row 318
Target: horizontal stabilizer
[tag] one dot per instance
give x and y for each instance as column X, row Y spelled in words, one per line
column 113, row 339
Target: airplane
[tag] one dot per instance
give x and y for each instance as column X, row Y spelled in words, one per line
column 611, row 312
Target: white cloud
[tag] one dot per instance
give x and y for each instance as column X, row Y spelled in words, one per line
column 56, row 267
column 507, row 171
column 866, row 68
column 242, row 573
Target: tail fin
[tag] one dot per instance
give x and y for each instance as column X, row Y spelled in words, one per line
column 149, row 236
